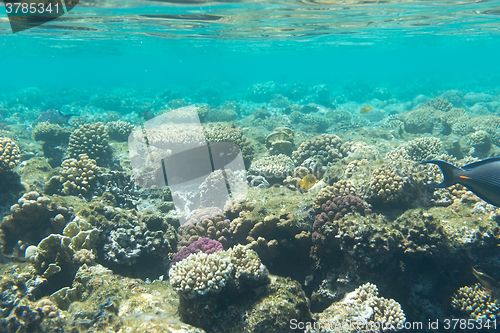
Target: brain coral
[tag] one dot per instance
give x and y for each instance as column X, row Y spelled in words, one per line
column 10, row 155
column 92, row 140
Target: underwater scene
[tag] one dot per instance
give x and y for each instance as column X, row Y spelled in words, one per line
column 250, row 166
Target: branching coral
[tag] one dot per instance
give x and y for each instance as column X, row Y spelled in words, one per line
column 476, row 302
column 92, row 140
column 201, row 273
column 10, row 155
column 326, row 148
column 78, row 176
column 273, row 168
column 208, row 222
column 365, row 310
column 119, row 130
column 386, row 185
column 32, row 218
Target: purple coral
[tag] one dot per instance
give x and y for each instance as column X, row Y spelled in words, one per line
column 332, row 210
column 205, row 245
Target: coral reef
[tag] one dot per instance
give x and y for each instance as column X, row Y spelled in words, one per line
column 325, row 148
column 78, row 176
column 207, row 222
column 476, row 302
column 119, row 130
column 318, row 123
column 386, row 185
column 92, row 140
column 273, row 168
column 364, row 310
column 227, row 112
column 417, row 150
column 54, row 133
column 10, row 155
column 62, row 253
column 280, row 141
column 129, row 238
column 205, row 245
column 201, row 273
column 330, row 208
column 219, row 132
column 55, row 139
column 247, row 264
column 263, row 92
column 32, row 218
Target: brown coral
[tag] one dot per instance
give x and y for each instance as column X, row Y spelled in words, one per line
column 10, row 155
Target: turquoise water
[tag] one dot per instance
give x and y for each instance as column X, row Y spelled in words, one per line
column 151, row 44
column 333, row 105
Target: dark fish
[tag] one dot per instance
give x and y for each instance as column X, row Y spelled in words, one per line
column 53, row 116
column 146, row 114
column 482, row 178
column 490, row 284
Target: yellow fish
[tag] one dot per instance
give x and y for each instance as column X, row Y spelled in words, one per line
column 307, row 182
column 365, row 109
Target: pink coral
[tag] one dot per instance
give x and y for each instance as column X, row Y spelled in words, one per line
column 332, row 210
column 205, row 245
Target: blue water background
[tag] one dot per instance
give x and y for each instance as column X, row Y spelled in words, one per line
column 424, row 56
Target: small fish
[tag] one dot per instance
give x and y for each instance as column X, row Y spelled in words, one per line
column 482, row 178
column 307, row 182
column 490, row 284
column 53, row 116
column 146, row 114
column 365, row 109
